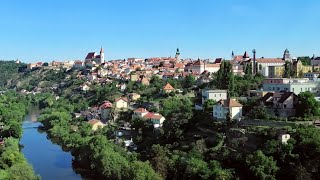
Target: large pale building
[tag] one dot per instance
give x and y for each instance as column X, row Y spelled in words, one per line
column 214, row 95
column 201, row 66
column 297, row 85
column 264, row 64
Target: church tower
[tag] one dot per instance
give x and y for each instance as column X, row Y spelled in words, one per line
column 177, row 55
column 286, row 55
column 101, row 55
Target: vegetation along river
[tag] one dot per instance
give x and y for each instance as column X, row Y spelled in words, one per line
column 48, row 159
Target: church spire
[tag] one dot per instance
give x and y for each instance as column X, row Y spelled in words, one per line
column 178, row 52
column 101, row 50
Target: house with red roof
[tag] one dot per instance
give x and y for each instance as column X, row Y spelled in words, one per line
column 105, row 109
column 168, row 88
column 155, row 118
column 227, row 107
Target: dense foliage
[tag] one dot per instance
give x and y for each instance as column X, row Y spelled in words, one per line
column 93, row 150
column 13, row 165
column 8, row 69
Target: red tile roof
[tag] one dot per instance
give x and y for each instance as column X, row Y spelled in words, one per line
column 106, row 105
column 140, row 110
column 168, row 87
column 270, row 60
column 229, row 103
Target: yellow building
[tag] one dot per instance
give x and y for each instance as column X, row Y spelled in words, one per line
column 276, row 71
column 300, row 69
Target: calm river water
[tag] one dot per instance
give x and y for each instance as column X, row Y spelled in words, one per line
column 48, row 159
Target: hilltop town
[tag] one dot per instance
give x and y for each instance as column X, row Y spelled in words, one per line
column 178, row 113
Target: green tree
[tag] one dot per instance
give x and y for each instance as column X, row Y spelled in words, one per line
column 259, row 112
column 197, row 169
column 189, row 81
column 225, row 78
column 288, row 70
column 143, row 171
column 307, row 105
column 248, row 69
column 261, row 166
column 208, row 106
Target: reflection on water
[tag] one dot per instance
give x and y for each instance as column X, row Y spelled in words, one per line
column 47, row 159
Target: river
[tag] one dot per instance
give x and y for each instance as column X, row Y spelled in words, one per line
column 48, row 159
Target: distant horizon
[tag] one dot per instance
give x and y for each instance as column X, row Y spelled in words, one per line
column 211, row 58
column 67, row 30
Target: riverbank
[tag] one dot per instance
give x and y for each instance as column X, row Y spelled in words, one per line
column 48, row 159
column 13, row 164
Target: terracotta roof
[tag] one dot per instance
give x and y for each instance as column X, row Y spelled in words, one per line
column 179, row 65
column 168, row 87
column 94, row 121
column 156, row 116
column 270, row 60
column 238, row 58
column 140, row 110
column 149, row 115
column 106, row 104
column 229, row 103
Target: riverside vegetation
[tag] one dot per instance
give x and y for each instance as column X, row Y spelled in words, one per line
column 188, row 146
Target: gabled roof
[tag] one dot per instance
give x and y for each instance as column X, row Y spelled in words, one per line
column 285, row 96
column 266, row 97
column 106, row 105
column 229, row 103
column 168, row 87
column 90, row 55
column 140, row 110
column 123, row 98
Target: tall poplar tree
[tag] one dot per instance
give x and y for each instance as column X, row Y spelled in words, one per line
column 225, row 78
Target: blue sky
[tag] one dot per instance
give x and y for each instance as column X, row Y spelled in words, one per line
column 36, row 30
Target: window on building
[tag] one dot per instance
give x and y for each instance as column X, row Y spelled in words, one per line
column 278, row 88
column 273, row 88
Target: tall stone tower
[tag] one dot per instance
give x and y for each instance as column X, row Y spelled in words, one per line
column 286, row 55
column 177, row 55
column 101, row 55
column 254, row 67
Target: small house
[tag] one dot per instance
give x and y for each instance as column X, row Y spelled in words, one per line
column 168, row 88
column 96, row 124
column 122, row 102
column 228, row 107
